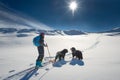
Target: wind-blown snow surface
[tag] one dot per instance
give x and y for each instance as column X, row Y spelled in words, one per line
column 101, row 58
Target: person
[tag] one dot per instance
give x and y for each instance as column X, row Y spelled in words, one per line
column 76, row 53
column 60, row 55
column 39, row 42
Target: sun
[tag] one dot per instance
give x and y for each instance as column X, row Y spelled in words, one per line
column 73, row 6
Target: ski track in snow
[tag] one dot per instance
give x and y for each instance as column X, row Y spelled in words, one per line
column 28, row 73
column 94, row 44
column 45, row 73
column 11, row 71
column 19, row 74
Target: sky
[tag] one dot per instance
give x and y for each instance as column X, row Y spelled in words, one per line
column 90, row 15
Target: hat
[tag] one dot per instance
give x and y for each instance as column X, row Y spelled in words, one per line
column 42, row 34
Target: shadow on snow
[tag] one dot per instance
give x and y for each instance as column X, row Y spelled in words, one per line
column 76, row 61
column 72, row 62
column 29, row 74
column 59, row 63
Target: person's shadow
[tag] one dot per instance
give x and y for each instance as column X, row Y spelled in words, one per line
column 76, row 61
column 29, row 74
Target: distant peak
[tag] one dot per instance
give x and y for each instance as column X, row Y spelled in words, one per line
column 116, row 28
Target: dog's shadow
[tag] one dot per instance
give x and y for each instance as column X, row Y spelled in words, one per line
column 77, row 62
column 59, row 63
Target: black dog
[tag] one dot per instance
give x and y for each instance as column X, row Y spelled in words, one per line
column 76, row 53
column 61, row 54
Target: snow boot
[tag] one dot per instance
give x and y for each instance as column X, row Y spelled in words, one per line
column 39, row 64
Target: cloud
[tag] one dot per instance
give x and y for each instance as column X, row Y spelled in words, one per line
column 11, row 18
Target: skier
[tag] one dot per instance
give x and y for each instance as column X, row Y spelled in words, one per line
column 61, row 54
column 39, row 42
column 76, row 53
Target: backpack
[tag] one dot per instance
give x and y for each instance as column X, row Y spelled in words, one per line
column 36, row 41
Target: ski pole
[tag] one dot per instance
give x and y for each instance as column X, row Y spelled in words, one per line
column 48, row 50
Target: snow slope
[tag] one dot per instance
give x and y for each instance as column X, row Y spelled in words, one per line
column 101, row 58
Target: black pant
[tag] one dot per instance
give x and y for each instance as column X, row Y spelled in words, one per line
column 41, row 53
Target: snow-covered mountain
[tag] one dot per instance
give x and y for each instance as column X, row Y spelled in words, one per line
column 117, row 29
column 74, row 32
column 47, row 32
column 112, row 32
column 65, row 32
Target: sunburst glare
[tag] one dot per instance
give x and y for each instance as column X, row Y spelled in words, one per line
column 73, row 6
